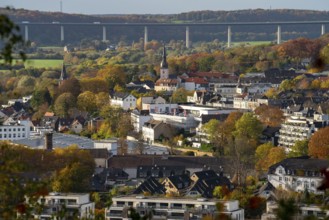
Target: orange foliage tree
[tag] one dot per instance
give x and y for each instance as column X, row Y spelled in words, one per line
column 318, row 146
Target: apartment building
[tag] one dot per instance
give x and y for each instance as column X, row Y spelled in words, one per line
column 15, row 131
column 171, row 208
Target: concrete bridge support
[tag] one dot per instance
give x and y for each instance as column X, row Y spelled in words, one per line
column 26, row 33
column 104, row 33
column 146, row 36
column 323, row 29
column 62, row 33
column 278, row 37
column 229, row 36
column 187, row 37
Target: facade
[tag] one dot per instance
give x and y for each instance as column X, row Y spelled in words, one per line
column 16, row 131
column 301, row 126
column 304, row 211
column 76, row 204
column 172, row 208
column 298, row 174
column 110, row 144
column 124, row 100
column 153, row 129
column 183, row 121
column 139, row 118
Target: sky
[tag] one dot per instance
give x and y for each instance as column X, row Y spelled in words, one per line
column 160, row 7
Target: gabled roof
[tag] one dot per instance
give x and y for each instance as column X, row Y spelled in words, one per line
column 121, row 95
column 152, row 123
column 301, row 163
column 196, row 80
column 205, row 187
column 166, row 81
column 205, row 174
column 150, row 185
column 180, row 181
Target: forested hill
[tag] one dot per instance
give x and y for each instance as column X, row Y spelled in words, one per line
column 194, row 16
column 49, row 35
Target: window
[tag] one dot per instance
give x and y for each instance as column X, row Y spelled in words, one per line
column 280, row 178
column 280, row 171
column 299, row 183
column 312, row 184
column 9, row 129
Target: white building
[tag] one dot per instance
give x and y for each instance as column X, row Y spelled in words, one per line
column 304, row 210
column 77, row 204
column 15, row 131
column 183, row 121
column 124, row 100
column 301, row 126
column 172, row 208
column 110, row 144
column 138, row 119
column 298, row 174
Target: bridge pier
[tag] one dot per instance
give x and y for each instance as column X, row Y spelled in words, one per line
column 323, row 29
column 26, row 34
column 146, row 37
column 278, row 39
column 104, row 33
column 187, row 37
column 229, row 36
column 62, row 33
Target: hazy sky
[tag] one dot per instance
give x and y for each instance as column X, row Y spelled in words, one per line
column 160, row 7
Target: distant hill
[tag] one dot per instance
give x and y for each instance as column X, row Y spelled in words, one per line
column 48, row 35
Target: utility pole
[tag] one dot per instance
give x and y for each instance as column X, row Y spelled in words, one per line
column 61, row 6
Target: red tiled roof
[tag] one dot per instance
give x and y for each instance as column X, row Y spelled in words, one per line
column 196, row 80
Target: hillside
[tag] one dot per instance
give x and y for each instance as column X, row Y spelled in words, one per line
column 116, row 34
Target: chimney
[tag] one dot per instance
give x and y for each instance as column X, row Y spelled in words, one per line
column 49, row 141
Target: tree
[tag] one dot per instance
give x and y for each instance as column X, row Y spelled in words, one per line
column 102, row 99
column 64, row 103
column 262, row 152
column 180, row 95
column 248, row 126
column 95, row 85
column 300, row 148
column 217, row 134
column 269, row 115
column 10, row 39
column 71, row 85
column 318, row 146
column 87, row 102
column 286, row 209
column 114, row 75
column 40, row 97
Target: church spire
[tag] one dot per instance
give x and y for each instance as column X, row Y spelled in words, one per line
column 164, row 64
column 63, row 75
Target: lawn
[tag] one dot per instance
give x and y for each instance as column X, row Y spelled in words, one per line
column 39, row 63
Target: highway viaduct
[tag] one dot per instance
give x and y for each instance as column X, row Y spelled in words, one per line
column 229, row 25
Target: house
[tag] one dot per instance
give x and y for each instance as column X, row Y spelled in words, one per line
column 64, row 124
column 165, row 84
column 75, row 204
column 123, row 100
column 77, row 126
column 304, row 211
column 110, row 144
column 139, row 118
column 132, row 163
column 177, row 184
column 15, row 131
column 194, row 83
column 298, row 174
column 172, row 208
column 204, row 183
column 152, row 130
column 150, row 186
column 159, row 171
column 100, row 156
column 51, row 122
column 103, row 180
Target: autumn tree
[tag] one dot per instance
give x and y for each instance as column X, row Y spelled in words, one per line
column 87, row 102
column 71, row 85
column 269, row 115
column 64, row 103
column 262, row 152
column 318, row 146
column 248, row 126
column 300, row 148
column 95, row 85
column 113, row 75
column 180, row 95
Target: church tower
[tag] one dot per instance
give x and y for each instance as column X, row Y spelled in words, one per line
column 63, row 75
column 164, row 71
